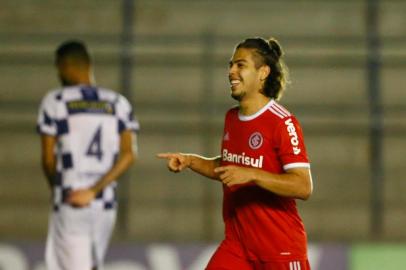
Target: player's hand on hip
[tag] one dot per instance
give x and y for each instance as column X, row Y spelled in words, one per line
column 234, row 175
column 176, row 161
column 80, row 197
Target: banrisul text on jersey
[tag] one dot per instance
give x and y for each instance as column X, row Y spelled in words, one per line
column 243, row 159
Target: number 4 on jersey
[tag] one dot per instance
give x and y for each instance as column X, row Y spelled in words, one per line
column 94, row 148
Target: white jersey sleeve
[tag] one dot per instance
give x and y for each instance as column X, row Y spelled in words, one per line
column 125, row 115
column 47, row 114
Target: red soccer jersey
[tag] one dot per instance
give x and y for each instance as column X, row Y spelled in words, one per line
column 267, row 226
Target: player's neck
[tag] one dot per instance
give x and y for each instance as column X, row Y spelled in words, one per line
column 85, row 79
column 252, row 105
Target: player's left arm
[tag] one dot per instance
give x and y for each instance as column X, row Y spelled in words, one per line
column 48, row 157
column 83, row 197
column 294, row 183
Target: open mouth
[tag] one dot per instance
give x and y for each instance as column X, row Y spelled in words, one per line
column 235, row 82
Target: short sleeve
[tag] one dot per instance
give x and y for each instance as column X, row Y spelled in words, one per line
column 291, row 147
column 46, row 123
column 126, row 118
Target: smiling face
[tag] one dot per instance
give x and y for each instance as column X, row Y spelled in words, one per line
column 246, row 78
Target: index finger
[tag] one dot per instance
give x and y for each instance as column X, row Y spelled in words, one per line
column 164, row 155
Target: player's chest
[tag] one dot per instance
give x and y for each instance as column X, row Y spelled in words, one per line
column 248, row 137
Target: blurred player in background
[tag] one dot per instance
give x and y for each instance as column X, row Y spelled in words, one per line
column 263, row 167
column 87, row 135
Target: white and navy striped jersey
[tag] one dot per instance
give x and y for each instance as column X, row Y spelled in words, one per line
column 87, row 122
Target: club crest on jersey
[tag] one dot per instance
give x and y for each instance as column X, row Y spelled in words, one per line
column 255, row 141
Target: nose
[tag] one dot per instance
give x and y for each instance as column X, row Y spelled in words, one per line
column 231, row 70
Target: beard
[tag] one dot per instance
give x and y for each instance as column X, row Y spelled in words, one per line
column 237, row 96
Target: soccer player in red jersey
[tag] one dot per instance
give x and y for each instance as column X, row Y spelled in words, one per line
column 263, row 167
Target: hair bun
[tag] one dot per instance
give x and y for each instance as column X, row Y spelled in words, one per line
column 275, row 47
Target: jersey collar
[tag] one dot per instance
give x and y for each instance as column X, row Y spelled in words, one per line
column 255, row 115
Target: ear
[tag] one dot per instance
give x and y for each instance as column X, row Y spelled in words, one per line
column 264, row 72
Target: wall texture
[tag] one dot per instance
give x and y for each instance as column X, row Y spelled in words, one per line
column 180, row 93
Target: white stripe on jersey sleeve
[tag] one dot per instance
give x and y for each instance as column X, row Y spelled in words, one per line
column 49, row 130
column 281, row 108
column 277, row 109
column 134, row 125
column 107, row 94
column 296, row 165
column 281, row 116
column 292, row 266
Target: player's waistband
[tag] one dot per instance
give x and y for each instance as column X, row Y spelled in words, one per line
column 106, row 203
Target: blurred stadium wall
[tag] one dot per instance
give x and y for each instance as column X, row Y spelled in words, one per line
column 171, row 58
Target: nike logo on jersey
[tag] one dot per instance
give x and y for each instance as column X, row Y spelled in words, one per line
column 226, row 137
column 243, row 159
column 293, row 136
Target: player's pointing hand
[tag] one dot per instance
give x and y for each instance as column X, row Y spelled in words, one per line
column 176, row 161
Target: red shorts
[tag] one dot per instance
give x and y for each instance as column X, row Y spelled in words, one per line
column 224, row 259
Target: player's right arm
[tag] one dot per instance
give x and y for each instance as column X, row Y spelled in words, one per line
column 47, row 128
column 48, row 157
column 177, row 162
